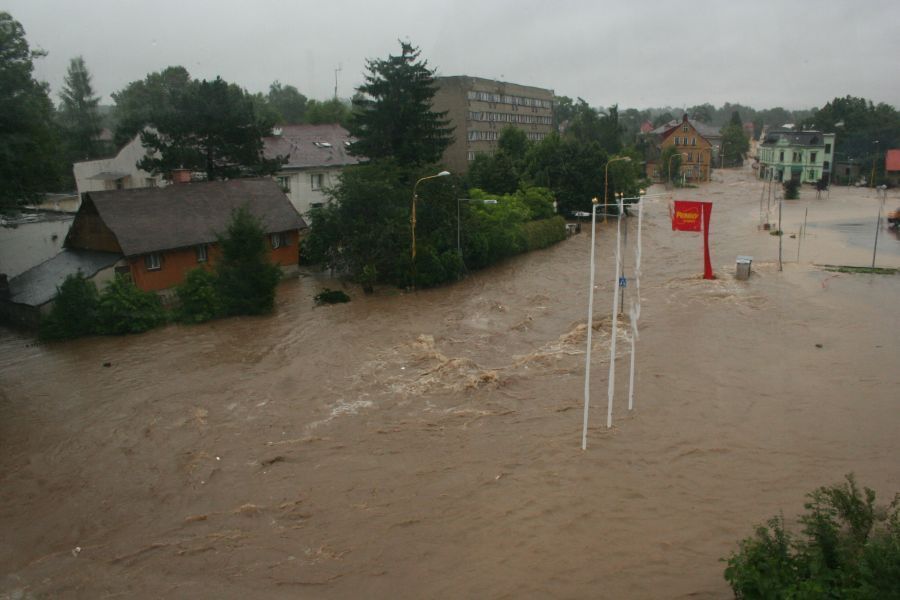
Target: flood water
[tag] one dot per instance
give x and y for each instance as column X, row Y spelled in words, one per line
column 428, row 444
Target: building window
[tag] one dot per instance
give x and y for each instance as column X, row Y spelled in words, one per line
column 798, row 157
column 826, row 165
column 202, row 253
column 153, row 261
column 812, row 157
column 693, row 141
column 284, row 183
column 827, row 148
column 684, row 128
column 150, row 182
column 781, row 156
column 317, row 180
column 279, row 240
column 812, row 175
column 316, row 205
column 690, row 157
column 677, row 141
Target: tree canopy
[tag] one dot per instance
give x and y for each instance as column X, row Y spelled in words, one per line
column 288, row 102
column 147, row 101
column 213, row 127
column 78, row 113
column 30, row 161
column 393, row 116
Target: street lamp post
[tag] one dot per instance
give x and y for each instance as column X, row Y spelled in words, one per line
column 874, row 161
column 722, row 156
column 412, row 217
column 606, row 181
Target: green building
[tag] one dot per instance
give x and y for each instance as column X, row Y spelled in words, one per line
column 805, row 156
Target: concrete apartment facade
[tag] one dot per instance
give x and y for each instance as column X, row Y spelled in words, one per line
column 479, row 109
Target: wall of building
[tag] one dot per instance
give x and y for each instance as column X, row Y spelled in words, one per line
column 699, row 151
column 24, row 245
column 303, row 189
column 176, row 264
column 124, row 162
column 89, row 232
column 480, row 109
column 813, row 162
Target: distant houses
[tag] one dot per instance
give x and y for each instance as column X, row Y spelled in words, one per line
column 154, row 236
column 804, row 156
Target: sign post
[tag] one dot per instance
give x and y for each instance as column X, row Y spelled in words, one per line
column 688, row 215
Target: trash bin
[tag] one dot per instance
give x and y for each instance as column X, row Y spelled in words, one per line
column 743, row 267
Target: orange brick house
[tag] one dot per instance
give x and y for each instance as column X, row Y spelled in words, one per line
column 692, row 141
column 161, row 234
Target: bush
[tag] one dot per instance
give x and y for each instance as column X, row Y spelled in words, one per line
column 74, row 311
column 246, row 279
column 126, row 309
column 198, row 299
column 328, row 296
column 543, row 233
column 791, row 189
column 849, row 549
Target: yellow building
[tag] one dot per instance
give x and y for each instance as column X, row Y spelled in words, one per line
column 691, row 140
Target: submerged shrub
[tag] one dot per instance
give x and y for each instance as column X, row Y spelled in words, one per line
column 74, row 311
column 126, row 309
column 328, row 296
column 198, row 298
column 849, row 548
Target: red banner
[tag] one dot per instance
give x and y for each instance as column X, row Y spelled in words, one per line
column 686, row 216
column 689, row 215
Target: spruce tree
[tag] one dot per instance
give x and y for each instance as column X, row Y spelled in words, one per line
column 78, row 112
column 393, row 116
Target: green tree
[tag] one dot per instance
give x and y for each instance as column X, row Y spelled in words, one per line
column 124, row 309
column 75, row 310
column 327, row 111
column 148, row 101
column 31, row 163
column 702, row 112
column 246, row 278
column 735, row 119
column 501, row 172
column 214, row 128
column 198, row 298
column 735, row 144
column 393, row 116
column 670, row 163
column 78, row 113
column 563, row 110
column 288, row 102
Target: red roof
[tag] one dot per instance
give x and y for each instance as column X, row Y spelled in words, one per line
column 892, row 160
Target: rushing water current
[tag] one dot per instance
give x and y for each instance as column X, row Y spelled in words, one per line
column 428, row 444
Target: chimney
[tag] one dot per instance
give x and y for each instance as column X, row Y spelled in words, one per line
column 684, row 118
column 180, row 176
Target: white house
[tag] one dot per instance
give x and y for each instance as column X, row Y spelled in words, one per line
column 119, row 172
column 316, row 156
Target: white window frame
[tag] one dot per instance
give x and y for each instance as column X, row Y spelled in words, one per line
column 153, row 261
column 317, row 181
column 202, row 253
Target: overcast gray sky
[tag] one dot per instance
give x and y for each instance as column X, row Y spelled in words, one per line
column 795, row 54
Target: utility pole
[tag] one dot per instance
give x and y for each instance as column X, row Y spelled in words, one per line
column 336, row 71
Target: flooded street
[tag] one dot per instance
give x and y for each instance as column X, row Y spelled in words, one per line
column 427, row 444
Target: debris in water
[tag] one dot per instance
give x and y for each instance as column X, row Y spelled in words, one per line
column 76, row 551
column 819, row 346
column 107, row 364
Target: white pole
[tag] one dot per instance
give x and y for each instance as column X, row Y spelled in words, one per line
column 635, row 303
column 877, row 227
column 590, row 330
column 615, row 322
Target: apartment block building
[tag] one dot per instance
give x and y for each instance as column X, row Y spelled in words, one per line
column 480, row 109
column 805, row 156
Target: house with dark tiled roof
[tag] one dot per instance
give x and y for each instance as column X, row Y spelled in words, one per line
column 693, row 140
column 805, row 156
column 155, row 236
column 316, row 155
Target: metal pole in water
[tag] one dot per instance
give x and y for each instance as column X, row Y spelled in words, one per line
column 590, row 329
column 635, row 303
column 877, row 227
column 611, row 388
column 780, row 232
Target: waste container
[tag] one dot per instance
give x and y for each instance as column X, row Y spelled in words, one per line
column 743, row 267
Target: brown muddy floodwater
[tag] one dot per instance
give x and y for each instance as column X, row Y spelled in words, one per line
column 427, row 445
